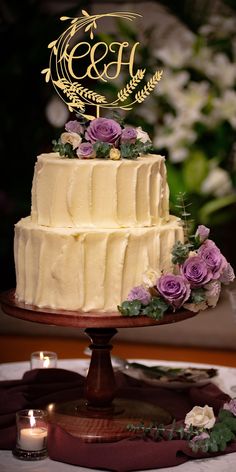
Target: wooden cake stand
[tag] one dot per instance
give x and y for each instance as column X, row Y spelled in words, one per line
column 99, row 416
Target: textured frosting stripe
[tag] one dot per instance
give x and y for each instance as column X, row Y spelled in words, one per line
column 97, row 193
column 87, row 269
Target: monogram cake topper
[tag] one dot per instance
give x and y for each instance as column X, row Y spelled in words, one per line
column 73, row 65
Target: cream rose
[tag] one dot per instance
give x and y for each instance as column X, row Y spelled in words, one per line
column 114, row 154
column 200, row 417
column 142, row 135
column 150, row 277
column 72, row 138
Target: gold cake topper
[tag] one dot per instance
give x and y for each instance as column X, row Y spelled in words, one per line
column 67, row 73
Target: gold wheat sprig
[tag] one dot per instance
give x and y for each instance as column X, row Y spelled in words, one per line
column 131, row 85
column 147, row 89
column 75, row 90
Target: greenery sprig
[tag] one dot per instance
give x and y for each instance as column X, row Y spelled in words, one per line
column 155, row 309
column 199, row 439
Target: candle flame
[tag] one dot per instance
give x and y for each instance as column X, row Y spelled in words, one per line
column 46, row 361
column 32, row 418
column 41, row 356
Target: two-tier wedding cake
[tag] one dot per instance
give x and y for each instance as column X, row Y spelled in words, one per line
column 96, row 226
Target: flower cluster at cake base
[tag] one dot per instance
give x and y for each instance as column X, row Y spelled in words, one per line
column 200, row 269
column 201, row 429
column 102, row 138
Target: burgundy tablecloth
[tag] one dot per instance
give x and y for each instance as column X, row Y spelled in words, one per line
column 38, row 388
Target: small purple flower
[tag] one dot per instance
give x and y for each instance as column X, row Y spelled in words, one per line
column 202, row 233
column 74, row 126
column 139, row 293
column 196, row 271
column 227, row 275
column 174, row 288
column 213, row 258
column 129, row 135
column 231, row 406
column 103, row 129
column 85, row 151
column 200, row 437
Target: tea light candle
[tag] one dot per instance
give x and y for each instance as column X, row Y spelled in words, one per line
column 43, row 360
column 31, row 435
column 32, row 439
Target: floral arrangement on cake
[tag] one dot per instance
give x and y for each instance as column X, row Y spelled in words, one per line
column 199, row 271
column 203, row 431
column 102, row 138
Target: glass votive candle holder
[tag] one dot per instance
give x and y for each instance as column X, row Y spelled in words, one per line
column 43, row 360
column 31, row 442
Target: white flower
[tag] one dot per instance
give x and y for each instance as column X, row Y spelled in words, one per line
column 217, row 182
column 174, row 54
column 201, row 417
column 150, row 277
column 72, row 138
column 142, row 135
column 195, row 307
column 221, row 71
column 213, row 290
column 56, row 112
column 224, row 108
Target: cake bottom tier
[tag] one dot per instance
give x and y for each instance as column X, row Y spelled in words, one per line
column 88, row 270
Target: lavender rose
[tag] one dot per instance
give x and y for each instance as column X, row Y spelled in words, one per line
column 231, row 406
column 174, row 288
column 74, row 126
column 129, row 135
column 227, row 275
column 86, row 151
column 139, row 293
column 202, row 233
column 196, row 271
column 213, row 258
column 103, row 129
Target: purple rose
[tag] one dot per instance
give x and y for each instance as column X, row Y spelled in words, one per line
column 231, row 406
column 196, row 271
column 202, row 233
column 74, row 127
column 129, row 135
column 85, row 151
column 139, row 293
column 174, row 288
column 227, row 275
column 213, row 258
column 103, row 129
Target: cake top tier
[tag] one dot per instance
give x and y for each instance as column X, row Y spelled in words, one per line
column 97, row 193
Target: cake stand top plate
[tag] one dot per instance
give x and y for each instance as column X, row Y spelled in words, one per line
column 79, row 319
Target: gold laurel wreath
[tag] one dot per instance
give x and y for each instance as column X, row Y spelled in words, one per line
column 75, row 90
column 148, row 88
column 131, row 85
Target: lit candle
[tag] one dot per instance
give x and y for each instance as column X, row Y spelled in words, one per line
column 43, row 360
column 32, row 438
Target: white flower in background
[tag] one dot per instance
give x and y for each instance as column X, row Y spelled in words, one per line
column 201, row 417
column 219, row 26
column 176, row 136
column 148, row 109
column 221, row 71
column 217, row 182
column 193, row 99
column 175, row 54
column 171, row 84
column 56, row 112
column 201, row 59
column 224, row 107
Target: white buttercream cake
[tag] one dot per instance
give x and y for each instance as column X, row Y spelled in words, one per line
column 95, row 227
